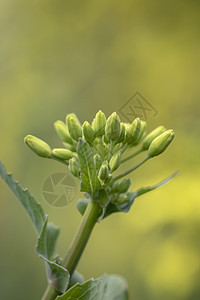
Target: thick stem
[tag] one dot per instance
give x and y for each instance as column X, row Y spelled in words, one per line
column 78, row 244
column 81, row 237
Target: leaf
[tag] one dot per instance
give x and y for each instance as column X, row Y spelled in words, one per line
column 57, row 276
column 47, row 233
column 81, row 205
column 34, row 210
column 89, row 180
column 106, row 287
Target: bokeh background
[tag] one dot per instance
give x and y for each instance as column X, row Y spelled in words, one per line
column 58, row 57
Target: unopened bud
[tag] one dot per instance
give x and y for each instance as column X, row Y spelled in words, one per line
column 103, row 172
column 38, row 146
column 122, row 133
column 122, row 199
column 97, row 161
column 161, row 142
column 133, row 132
column 74, row 127
column 62, row 132
column 88, row 132
column 115, row 161
column 124, row 185
column 115, row 187
column 113, row 127
column 61, row 153
column 74, row 167
column 142, row 131
column 99, row 123
column 151, row 136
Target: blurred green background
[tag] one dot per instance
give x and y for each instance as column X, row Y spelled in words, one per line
column 58, row 57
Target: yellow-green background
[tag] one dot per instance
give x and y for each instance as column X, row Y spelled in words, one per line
column 62, row 56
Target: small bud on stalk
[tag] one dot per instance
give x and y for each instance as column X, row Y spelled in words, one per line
column 124, row 185
column 115, row 161
column 151, row 136
column 113, row 127
column 133, row 132
column 99, row 123
column 103, row 172
column 38, row 146
column 97, row 161
column 74, row 127
column 62, row 132
column 74, row 167
column 63, row 154
column 161, row 142
column 88, row 132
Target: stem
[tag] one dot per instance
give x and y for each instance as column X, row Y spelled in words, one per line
column 132, row 169
column 132, row 155
column 81, row 237
column 78, row 244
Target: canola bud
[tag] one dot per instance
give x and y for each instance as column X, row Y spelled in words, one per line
column 161, row 142
column 122, row 133
column 151, row 136
column 103, row 172
column 97, row 161
column 38, row 146
column 61, row 153
column 88, row 132
column 112, row 129
column 133, row 132
column 115, row 161
column 74, row 127
column 124, row 185
column 142, row 131
column 99, row 123
column 74, row 167
column 62, row 131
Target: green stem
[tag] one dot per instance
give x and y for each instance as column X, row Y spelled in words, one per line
column 81, row 237
column 132, row 155
column 78, row 244
column 132, row 169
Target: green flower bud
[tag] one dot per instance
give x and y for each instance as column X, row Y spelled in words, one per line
column 115, row 187
column 61, row 153
column 99, row 123
column 133, row 132
column 74, row 167
column 103, row 172
column 115, row 161
column 74, row 127
column 151, row 136
column 142, row 131
column 113, row 127
column 124, row 185
column 108, row 179
column 97, row 161
column 88, row 132
column 38, row 146
column 106, row 139
column 122, row 199
column 62, row 132
column 122, row 133
column 161, row 142
column 70, row 147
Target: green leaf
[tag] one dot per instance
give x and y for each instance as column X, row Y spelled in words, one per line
column 47, row 233
column 57, row 276
column 89, row 180
column 106, row 287
column 34, row 210
column 81, row 205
